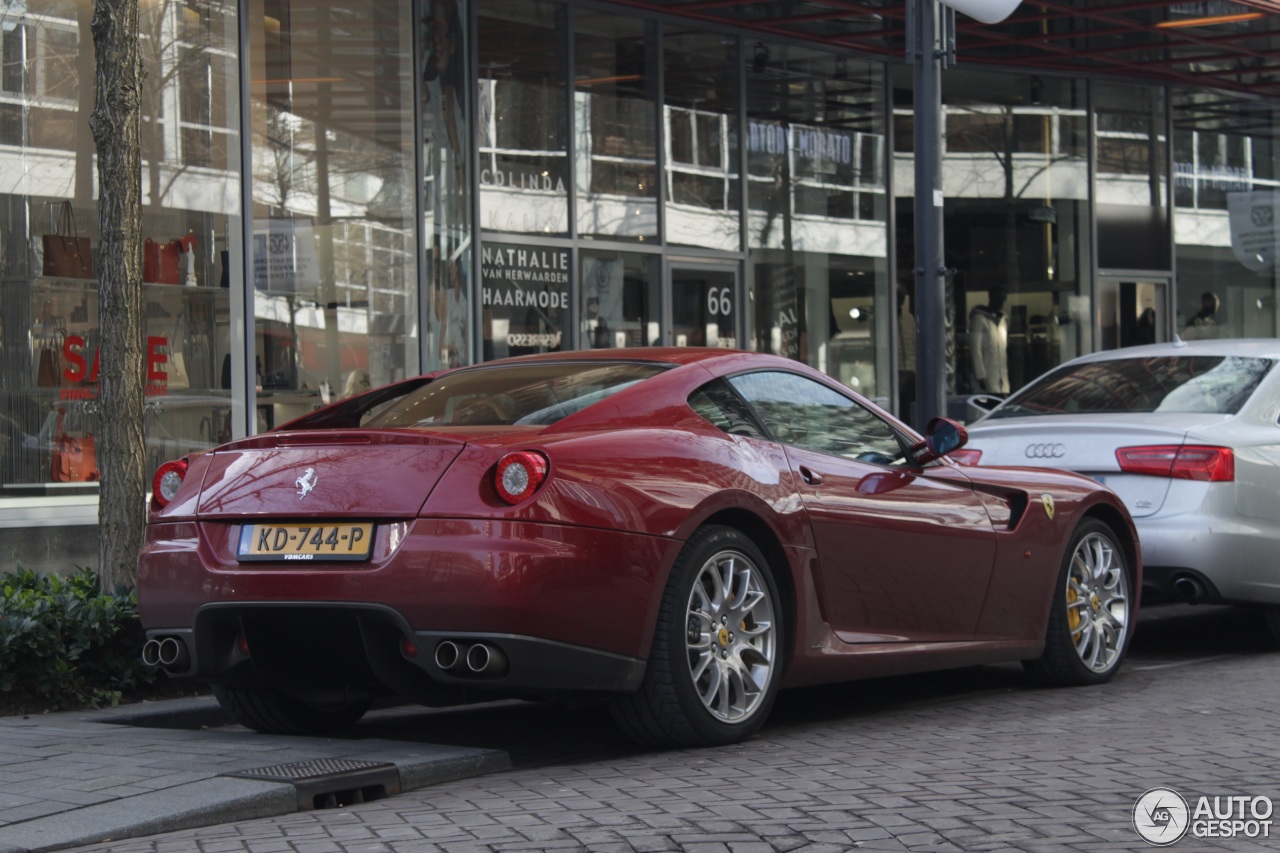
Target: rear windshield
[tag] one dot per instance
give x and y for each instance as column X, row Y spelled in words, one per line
column 518, row 395
column 1200, row 384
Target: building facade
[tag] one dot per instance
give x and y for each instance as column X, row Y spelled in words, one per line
column 337, row 196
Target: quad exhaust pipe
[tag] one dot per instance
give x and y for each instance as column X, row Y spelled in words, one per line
column 169, row 653
column 473, row 659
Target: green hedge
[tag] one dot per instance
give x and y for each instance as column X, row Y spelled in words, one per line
column 65, row 642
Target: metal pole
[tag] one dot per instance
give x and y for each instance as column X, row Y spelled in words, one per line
column 930, row 267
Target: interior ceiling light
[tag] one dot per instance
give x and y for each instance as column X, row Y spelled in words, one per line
column 1211, row 21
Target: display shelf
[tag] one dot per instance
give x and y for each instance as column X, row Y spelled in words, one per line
column 56, row 320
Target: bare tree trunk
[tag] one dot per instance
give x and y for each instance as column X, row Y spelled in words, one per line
column 122, row 381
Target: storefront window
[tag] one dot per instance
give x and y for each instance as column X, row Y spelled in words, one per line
column 817, row 226
column 334, row 236
column 615, row 110
column 523, row 121
column 1227, row 198
column 1131, row 183
column 49, row 237
column 700, row 121
column 447, row 135
column 524, row 292
column 619, row 297
column 1016, row 219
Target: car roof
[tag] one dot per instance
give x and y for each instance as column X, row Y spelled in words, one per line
column 1243, row 347
column 675, row 356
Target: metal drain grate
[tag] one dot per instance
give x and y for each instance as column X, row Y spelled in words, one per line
column 331, row 782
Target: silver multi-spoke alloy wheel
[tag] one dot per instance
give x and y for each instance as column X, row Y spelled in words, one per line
column 730, row 639
column 1097, row 599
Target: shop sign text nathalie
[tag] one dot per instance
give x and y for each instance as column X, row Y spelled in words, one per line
column 525, row 277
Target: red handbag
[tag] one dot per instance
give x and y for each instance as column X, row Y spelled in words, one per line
column 162, row 262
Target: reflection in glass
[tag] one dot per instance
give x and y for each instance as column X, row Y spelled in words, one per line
column 1016, row 174
column 1227, row 197
column 616, row 147
column 334, row 269
column 446, row 132
column 522, row 121
column 817, row 212
column 1131, row 185
column 1203, row 384
column 49, row 414
column 619, row 299
column 700, row 116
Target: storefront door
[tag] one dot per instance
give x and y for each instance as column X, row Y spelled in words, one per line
column 1133, row 310
column 705, row 304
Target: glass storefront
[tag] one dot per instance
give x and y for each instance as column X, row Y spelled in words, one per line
column 1226, row 192
column 334, row 218
column 428, row 183
column 191, row 221
column 817, row 198
column 1017, row 225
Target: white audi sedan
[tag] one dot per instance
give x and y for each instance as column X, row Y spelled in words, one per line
column 1188, row 435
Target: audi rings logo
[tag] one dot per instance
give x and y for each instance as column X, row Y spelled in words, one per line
column 1046, row 451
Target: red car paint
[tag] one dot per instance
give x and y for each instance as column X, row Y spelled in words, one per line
column 882, row 569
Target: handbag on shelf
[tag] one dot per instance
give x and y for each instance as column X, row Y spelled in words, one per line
column 178, row 379
column 162, row 262
column 66, row 253
column 49, row 341
column 74, row 458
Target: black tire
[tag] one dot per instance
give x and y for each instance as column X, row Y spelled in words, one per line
column 1090, row 623
column 272, row 712
column 740, row 660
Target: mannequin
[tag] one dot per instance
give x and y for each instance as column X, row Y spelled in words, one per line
column 988, row 344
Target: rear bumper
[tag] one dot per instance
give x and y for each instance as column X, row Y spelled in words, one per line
column 364, row 648
column 1233, row 557
column 566, row 608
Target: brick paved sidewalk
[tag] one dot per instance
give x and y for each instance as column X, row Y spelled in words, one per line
column 1000, row 769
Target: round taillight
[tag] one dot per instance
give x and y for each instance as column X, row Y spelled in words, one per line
column 519, row 475
column 167, row 481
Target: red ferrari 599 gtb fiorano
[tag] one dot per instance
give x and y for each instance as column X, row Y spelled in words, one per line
column 678, row 532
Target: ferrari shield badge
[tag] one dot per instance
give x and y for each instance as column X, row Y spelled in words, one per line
column 1046, row 500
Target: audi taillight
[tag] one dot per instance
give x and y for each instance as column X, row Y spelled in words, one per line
column 965, row 456
column 167, row 481
column 519, row 475
column 1181, row 462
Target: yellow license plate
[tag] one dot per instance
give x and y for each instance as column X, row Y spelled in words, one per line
column 306, row 541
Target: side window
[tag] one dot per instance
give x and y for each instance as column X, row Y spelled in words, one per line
column 716, row 402
column 798, row 411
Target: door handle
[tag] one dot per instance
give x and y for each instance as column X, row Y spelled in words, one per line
column 810, row 476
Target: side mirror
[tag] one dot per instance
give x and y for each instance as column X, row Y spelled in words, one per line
column 941, row 436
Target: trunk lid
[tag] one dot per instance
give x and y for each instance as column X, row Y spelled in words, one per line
column 335, row 474
column 1087, row 444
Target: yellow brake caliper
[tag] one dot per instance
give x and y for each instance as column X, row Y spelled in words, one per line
column 1073, row 613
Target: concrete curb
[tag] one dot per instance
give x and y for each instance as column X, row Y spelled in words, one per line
column 217, row 799
column 202, row 803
